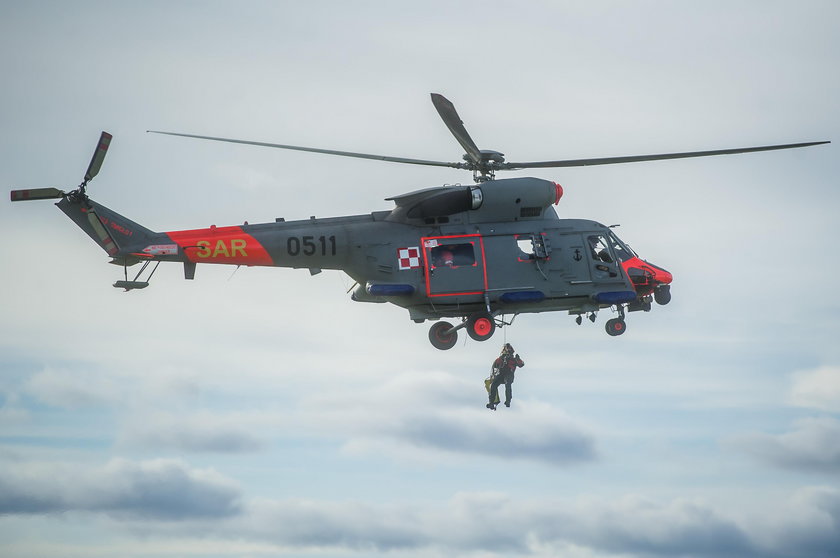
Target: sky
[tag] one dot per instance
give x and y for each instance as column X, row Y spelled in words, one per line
column 260, row 412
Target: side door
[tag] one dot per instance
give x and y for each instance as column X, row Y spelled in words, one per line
column 517, row 262
column 454, row 265
column 570, row 264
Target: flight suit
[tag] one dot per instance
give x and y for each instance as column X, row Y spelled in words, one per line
column 507, row 365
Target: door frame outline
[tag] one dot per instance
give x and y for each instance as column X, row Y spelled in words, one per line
column 427, row 245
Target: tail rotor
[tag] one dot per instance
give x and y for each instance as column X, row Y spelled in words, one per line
column 79, row 192
column 79, row 196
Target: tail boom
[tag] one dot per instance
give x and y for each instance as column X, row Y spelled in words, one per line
column 114, row 233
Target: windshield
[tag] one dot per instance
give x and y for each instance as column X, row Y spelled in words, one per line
column 621, row 250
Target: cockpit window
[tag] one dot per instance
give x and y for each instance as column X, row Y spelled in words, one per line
column 621, row 250
column 600, row 251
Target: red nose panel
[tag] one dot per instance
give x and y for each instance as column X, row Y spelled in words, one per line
column 645, row 276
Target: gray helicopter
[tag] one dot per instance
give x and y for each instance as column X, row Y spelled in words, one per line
column 476, row 253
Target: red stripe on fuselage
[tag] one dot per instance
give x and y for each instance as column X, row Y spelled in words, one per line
column 221, row 245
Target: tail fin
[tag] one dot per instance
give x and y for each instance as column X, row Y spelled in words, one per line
column 114, row 233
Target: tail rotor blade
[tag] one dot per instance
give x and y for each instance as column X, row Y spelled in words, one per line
column 98, row 156
column 36, row 194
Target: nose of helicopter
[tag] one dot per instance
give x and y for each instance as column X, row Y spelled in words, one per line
column 660, row 275
column 647, row 277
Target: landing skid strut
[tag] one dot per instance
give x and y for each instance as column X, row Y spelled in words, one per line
column 135, row 284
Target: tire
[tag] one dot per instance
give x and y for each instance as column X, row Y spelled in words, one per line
column 615, row 326
column 481, row 326
column 662, row 295
column 441, row 340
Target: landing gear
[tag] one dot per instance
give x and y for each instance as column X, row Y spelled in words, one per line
column 443, row 336
column 481, row 326
column 662, row 294
column 136, row 284
column 615, row 326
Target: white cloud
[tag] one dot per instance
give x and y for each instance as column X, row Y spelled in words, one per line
column 497, row 524
column 69, row 388
column 158, row 489
column 198, row 432
column 813, row 445
column 418, row 412
column 808, row 524
column 818, row 389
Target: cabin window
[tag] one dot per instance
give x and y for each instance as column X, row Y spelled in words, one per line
column 453, row 255
column 526, row 247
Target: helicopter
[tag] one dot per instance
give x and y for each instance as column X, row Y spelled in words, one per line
column 472, row 253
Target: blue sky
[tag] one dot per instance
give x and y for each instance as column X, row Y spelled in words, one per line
column 263, row 413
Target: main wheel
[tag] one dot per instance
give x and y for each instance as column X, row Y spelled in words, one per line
column 440, row 338
column 616, row 326
column 481, row 326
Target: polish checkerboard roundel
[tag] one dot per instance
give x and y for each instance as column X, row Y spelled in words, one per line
column 409, row 258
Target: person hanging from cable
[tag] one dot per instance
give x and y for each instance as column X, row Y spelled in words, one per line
column 503, row 371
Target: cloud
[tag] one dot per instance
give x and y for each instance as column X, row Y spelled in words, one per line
column 813, row 445
column 313, row 524
column 167, row 500
column 818, row 389
column 810, row 525
column 494, row 524
column 158, row 489
column 199, row 432
column 640, row 526
column 67, row 388
column 537, row 433
column 432, row 411
column 11, row 411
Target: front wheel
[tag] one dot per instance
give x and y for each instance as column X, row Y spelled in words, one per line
column 481, row 326
column 442, row 337
column 615, row 326
column 662, row 294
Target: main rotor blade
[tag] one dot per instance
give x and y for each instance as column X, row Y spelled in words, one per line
column 325, row 151
column 36, row 194
column 450, row 117
column 98, row 156
column 637, row 158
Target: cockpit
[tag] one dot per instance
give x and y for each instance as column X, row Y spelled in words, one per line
column 621, row 250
